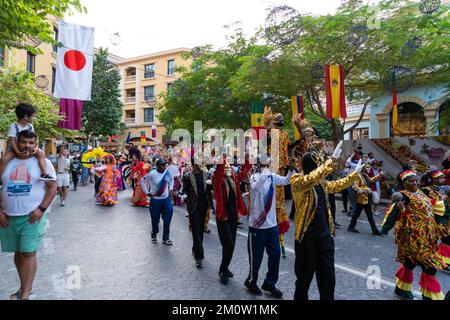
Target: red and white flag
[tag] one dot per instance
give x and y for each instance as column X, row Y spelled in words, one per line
column 74, row 62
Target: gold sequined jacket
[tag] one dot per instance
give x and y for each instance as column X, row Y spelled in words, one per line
column 305, row 196
column 362, row 189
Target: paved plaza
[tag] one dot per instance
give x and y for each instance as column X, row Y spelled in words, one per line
column 109, row 250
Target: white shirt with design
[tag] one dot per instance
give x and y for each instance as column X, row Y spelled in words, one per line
column 22, row 192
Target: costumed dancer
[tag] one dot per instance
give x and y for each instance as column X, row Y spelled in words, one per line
column 438, row 191
column 276, row 122
column 138, row 172
column 107, row 192
column 416, row 235
column 314, row 228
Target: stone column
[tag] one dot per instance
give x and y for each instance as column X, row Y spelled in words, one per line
column 383, row 125
column 431, row 128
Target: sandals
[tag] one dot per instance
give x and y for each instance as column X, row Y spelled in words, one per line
column 16, row 295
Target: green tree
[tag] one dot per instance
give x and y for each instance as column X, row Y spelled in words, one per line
column 18, row 86
column 325, row 40
column 24, row 24
column 102, row 116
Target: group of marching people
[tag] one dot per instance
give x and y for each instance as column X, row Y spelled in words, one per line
column 420, row 217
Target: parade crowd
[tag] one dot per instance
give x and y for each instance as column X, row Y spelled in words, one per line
column 161, row 178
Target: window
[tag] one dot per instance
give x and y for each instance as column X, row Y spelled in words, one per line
column 149, row 92
column 131, row 72
column 31, row 62
column 170, row 88
column 362, row 133
column 53, row 78
column 149, row 71
column 2, row 57
column 55, row 46
column 170, row 67
column 149, row 115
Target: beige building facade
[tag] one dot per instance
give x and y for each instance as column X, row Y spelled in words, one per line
column 144, row 78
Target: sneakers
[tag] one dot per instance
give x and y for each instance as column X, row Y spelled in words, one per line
column 199, row 263
column 402, row 294
column 223, row 278
column 167, row 242
column 273, row 290
column 63, row 203
column 253, row 289
column 46, row 177
column 352, row 230
column 154, row 240
column 377, row 233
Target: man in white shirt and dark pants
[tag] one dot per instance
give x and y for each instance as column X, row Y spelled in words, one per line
column 263, row 228
column 158, row 183
column 22, row 216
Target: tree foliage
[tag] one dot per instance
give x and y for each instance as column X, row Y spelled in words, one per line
column 102, row 116
column 252, row 70
column 25, row 22
column 18, row 86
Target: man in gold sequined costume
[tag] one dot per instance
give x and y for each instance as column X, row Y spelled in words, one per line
column 314, row 227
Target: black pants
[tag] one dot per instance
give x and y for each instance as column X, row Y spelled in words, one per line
column 357, row 212
column 332, row 201
column 227, row 235
column 315, row 255
column 292, row 213
column 97, row 180
column 197, row 221
column 352, row 197
column 75, row 179
column 345, row 198
column 410, row 266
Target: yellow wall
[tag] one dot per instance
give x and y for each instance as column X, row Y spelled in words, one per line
column 160, row 82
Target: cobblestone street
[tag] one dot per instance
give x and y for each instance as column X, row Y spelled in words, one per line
column 111, row 247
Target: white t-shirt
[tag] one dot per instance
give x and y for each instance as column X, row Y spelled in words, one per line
column 15, row 128
column 63, row 163
column 22, row 192
column 174, row 170
column 153, row 178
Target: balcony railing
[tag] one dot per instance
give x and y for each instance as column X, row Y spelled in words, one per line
column 130, row 120
column 130, row 99
column 130, row 78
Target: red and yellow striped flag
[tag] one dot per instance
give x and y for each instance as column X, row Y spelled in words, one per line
column 394, row 106
column 334, row 83
column 297, row 108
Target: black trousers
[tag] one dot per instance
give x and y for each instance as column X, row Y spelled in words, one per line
column 357, row 212
column 227, row 235
column 315, row 256
column 332, row 201
column 410, row 266
column 197, row 221
column 345, row 198
column 75, row 179
column 97, row 180
column 292, row 213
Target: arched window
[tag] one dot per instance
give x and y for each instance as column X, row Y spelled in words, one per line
column 411, row 120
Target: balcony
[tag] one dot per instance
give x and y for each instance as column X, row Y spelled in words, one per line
column 130, row 78
column 130, row 99
column 130, row 120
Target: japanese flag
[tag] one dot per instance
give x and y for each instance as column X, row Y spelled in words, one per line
column 74, row 62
